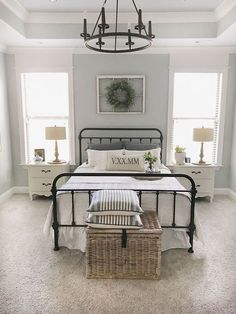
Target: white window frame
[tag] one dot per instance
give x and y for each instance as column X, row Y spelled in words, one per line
column 22, row 127
column 177, row 69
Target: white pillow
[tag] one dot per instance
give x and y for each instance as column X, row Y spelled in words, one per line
column 156, row 152
column 127, row 162
column 98, row 158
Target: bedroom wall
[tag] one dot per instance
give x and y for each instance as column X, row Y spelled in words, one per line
column 20, row 175
column 156, row 71
column 5, row 142
column 224, row 174
column 232, row 171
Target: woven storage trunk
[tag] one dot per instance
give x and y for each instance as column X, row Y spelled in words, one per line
column 141, row 259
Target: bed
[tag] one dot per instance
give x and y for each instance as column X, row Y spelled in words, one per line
column 159, row 191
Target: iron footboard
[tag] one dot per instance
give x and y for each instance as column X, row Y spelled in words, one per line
column 192, row 192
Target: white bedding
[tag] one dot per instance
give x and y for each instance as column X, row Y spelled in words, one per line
column 75, row 238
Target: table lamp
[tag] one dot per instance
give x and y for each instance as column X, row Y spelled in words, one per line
column 55, row 133
column 202, row 135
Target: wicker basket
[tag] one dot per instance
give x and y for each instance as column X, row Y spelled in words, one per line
column 141, row 259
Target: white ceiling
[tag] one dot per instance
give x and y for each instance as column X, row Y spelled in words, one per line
column 125, row 5
column 176, row 23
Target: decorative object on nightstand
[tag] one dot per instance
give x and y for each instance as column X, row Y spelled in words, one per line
column 39, row 154
column 55, row 133
column 202, row 135
column 180, row 155
column 41, row 176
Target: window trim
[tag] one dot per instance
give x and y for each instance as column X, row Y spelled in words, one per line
column 178, row 69
column 21, row 111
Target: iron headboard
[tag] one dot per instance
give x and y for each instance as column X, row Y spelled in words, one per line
column 111, row 135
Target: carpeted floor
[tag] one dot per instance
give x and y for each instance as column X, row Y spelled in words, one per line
column 35, row 279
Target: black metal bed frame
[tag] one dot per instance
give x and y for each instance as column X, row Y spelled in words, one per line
column 192, row 190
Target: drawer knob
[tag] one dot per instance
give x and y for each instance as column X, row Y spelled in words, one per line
column 46, row 184
column 46, row 171
column 196, row 172
column 198, row 185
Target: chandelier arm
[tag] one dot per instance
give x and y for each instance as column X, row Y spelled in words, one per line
column 96, row 24
column 137, row 11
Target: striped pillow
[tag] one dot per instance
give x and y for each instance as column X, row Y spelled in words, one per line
column 114, row 221
column 115, row 202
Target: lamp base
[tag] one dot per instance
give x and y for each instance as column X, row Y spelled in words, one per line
column 56, row 162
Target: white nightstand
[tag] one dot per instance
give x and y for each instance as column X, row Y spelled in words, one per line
column 203, row 176
column 41, row 176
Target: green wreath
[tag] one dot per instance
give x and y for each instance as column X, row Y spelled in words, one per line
column 120, row 94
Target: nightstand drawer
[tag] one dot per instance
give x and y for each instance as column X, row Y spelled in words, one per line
column 45, row 172
column 195, row 172
column 39, row 184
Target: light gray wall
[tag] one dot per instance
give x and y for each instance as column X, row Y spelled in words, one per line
column 223, row 176
column 5, row 149
column 156, row 71
column 232, row 182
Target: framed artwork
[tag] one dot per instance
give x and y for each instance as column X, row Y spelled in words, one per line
column 121, row 94
column 40, row 152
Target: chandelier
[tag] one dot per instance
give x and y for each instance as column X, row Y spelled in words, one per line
column 106, row 38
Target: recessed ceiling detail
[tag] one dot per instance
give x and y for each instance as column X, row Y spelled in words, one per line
column 178, row 23
column 147, row 5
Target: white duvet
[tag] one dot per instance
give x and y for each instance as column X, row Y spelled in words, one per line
column 75, row 238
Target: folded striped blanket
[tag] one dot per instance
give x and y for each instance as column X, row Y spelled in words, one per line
column 115, row 202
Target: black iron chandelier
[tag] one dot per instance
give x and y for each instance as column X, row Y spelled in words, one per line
column 105, row 39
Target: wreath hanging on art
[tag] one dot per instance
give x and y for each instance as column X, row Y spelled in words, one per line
column 120, row 94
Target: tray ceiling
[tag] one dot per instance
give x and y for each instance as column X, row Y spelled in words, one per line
column 125, row 5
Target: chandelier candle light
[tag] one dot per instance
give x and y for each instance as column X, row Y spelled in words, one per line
column 202, row 135
column 104, row 40
column 55, row 133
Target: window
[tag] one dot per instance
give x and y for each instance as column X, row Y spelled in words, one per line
column 45, row 98
column 196, row 102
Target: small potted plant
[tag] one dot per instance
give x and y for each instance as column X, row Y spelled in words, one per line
column 150, row 160
column 180, row 155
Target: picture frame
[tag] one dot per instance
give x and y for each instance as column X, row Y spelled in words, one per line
column 40, row 152
column 120, row 94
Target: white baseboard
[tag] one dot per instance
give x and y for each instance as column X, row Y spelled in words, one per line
column 221, row 191
column 13, row 190
column 4, row 196
column 232, row 194
column 20, row 189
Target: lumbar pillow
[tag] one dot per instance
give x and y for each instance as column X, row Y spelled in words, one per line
column 134, row 162
column 114, row 221
column 113, row 202
column 156, row 152
column 98, row 158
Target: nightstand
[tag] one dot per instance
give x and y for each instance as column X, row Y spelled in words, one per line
column 41, row 176
column 203, row 176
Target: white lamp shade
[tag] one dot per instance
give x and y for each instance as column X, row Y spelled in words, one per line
column 203, row 134
column 55, row 133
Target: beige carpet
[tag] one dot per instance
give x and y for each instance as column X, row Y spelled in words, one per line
column 35, row 279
